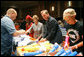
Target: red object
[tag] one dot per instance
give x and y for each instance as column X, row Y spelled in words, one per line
column 28, row 17
column 67, row 33
column 79, row 55
column 27, row 27
column 22, row 49
column 17, row 27
column 66, row 41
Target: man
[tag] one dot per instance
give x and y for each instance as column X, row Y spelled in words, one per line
column 74, row 29
column 52, row 32
column 61, row 25
column 8, row 31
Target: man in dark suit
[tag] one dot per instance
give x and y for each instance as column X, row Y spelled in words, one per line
column 52, row 32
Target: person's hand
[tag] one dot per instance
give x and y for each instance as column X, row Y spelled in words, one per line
column 22, row 31
column 73, row 47
column 38, row 38
column 43, row 39
column 26, row 32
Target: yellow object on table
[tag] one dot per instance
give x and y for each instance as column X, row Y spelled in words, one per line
column 34, row 47
column 29, row 48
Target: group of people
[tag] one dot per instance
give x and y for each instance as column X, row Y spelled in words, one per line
column 49, row 31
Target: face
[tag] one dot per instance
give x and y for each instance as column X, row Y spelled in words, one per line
column 13, row 16
column 60, row 23
column 35, row 21
column 45, row 16
column 69, row 19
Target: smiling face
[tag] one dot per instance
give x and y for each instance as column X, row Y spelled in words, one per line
column 69, row 16
column 35, row 19
column 70, row 19
column 45, row 14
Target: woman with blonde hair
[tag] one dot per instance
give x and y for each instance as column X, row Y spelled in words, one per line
column 37, row 28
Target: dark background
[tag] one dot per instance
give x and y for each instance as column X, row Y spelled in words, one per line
column 34, row 7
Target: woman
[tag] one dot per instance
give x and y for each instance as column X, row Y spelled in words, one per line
column 37, row 28
column 29, row 24
column 74, row 30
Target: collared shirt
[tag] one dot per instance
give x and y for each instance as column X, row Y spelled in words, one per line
column 63, row 30
column 7, row 29
column 37, row 29
column 53, row 32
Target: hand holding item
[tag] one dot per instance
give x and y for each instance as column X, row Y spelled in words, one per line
column 74, row 47
column 26, row 32
column 19, row 32
column 66, row 43
column 77, row 45
column 43, row 39
column 22, row 31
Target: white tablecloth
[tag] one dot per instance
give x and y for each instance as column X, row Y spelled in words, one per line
column 22, row 40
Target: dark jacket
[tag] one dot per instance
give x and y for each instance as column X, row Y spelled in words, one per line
column 52, row 31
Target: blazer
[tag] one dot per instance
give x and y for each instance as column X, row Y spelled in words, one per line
column 52, row 32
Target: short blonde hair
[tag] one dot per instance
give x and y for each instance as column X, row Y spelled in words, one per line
column 11, row 10
column 35, row 17
column 44, row 11
column 69, row 12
